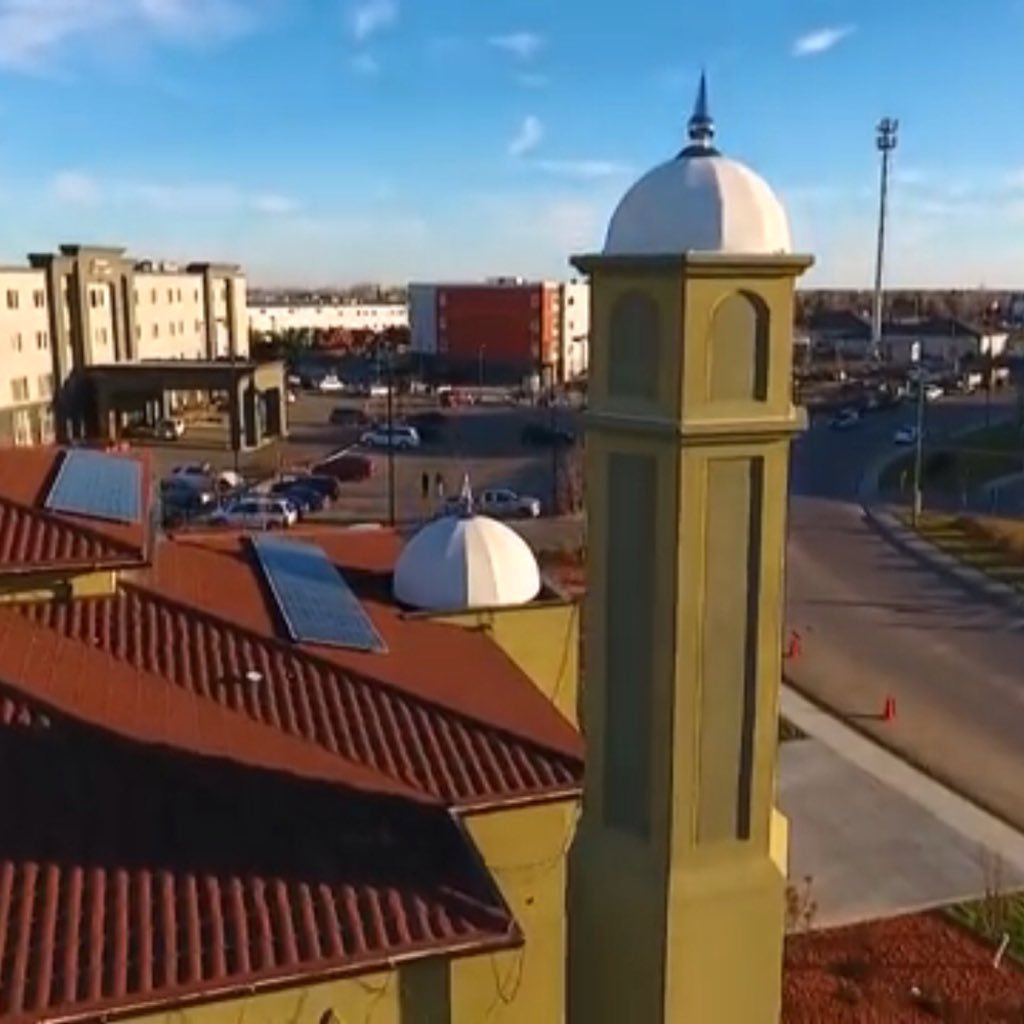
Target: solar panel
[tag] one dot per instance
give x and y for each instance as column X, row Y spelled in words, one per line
column 102, row 486
column 314, row 599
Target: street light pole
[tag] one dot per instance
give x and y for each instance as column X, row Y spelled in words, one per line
column 915, row 511
column 885, row 142
column 392, row 517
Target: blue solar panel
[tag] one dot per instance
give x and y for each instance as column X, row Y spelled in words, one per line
column 315, row 601
column 101, row 486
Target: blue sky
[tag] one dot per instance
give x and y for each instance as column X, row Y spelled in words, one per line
column 319, row 141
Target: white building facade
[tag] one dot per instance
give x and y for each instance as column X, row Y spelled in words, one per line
column 90, row 306
column 574, row 339
column 328, row 316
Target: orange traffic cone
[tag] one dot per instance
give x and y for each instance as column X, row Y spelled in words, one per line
column 793, row 647
column 889, row 709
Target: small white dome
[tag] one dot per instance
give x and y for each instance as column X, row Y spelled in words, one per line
column 699, row 202
column 460, row 562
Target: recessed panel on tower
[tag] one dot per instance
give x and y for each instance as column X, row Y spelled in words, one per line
column 97, row 485
column 315, row 601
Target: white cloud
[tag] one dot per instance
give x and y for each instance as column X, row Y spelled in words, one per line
column 33, row 32
column 821, row 40
column 522, row 45
column 528, row 137
column 274, row 204
column 365, row 64
column 372, row 16
column 588, row 170
column 75, row 188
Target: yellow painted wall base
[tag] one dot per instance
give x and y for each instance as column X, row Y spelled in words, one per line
column 724, row 923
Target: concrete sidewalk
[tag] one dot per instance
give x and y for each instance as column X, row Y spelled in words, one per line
column 971, row 822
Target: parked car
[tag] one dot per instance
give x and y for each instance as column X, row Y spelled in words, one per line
column 330, row 383
column 348, row 417
column 905, row 435
column 257, row 512
column 430, row 425
column 501, row 503
column 170, row 428
column 305, row 499
column 537, row 435
column 185, row 494
column 326, row 486
column 348, row 467
column 203, row 475
column 378, row 390
column 399, row 437
column 847, row 419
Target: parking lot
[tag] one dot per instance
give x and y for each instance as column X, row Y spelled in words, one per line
column 483, row 442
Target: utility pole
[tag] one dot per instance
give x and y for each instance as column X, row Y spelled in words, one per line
column 885, row 141
column 390, row 416
column 915, row 509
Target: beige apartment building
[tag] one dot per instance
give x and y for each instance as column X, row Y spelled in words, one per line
column 70, row 314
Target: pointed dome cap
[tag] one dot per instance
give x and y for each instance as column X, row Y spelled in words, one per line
column 700, row 201
column 466, row 561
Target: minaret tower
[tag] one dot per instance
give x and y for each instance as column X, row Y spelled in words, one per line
column 677, row 876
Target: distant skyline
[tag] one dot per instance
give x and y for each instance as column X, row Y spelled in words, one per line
column 320, row 142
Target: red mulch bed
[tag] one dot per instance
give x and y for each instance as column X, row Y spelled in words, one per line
column 912, row 969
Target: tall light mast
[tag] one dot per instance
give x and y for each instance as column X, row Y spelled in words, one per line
column 885, row 141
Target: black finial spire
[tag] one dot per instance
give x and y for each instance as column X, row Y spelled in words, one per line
column 701, row 126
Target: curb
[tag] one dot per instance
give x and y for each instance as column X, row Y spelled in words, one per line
column 907, row 758
column 930, row 555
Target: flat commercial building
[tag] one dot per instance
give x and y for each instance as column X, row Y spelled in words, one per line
column 326, row 316
column 501, row 329
column 86, row 307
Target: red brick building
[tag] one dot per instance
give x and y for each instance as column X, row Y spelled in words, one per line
column 491, row 329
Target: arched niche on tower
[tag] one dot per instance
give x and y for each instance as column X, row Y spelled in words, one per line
column 634, row 330
column 738, row 352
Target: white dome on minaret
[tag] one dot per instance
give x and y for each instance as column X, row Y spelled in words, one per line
column 466, row 561
column 700, row 201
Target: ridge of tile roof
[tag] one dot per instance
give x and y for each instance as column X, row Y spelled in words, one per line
column 139, row 878
column 34, row 539
column 82, row 682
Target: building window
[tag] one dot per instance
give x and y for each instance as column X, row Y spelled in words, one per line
column 181, row 326
column 12, row 298
column 46, row 385
column 170, row 294
column 138, row 332
column 19, row 389
column 199, row 325
column 16, row 341
column 172, row 329
column 152, row 296
column 104, row 337
column 156, row 330
column 42, row 339
column 195, row 296
column 179, row 295
column 22, row 428
column 39, row 298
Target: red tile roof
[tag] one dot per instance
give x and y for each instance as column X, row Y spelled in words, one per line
column 445, row 711
column 131, row 877
column 33, row 539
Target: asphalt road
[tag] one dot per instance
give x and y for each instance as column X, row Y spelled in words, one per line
column 875, row 622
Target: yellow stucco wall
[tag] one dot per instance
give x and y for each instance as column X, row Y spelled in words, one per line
column 542, row 639
column 52, row 586
column 371, row 999
column 526, row 851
